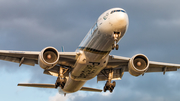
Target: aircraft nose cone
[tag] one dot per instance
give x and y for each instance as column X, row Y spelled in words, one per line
column 119, row 20
column 122, row 19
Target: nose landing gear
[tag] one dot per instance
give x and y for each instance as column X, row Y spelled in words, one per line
column 115, row 45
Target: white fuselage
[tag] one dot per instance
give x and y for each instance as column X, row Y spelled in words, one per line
column 95, row 48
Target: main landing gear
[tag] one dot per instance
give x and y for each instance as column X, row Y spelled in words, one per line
column 115, row 45
column 109, row 86
column 61, row 80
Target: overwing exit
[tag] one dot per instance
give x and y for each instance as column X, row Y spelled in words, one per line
column 90, row 59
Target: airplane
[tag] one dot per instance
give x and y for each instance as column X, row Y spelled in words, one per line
column 91, row 59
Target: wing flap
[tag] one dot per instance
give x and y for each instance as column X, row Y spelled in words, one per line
column 37, row 85
column 153, row 69
column 117, row 74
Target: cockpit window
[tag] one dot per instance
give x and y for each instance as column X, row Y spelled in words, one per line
column 117, row 11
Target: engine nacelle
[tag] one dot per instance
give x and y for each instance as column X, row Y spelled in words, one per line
column 138, row 64
column 48, row 58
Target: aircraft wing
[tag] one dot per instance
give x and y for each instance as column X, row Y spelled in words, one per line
column 21, row 57
column 31, row 57
column 119, row 65
column 120, row 62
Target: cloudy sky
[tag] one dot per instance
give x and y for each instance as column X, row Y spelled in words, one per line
column 31, row 25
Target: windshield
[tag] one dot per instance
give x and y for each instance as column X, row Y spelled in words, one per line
column 117, row 11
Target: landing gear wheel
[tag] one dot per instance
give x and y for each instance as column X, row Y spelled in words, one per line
column 57, row 84
column 111, row 90
column 60, row 83
column 109, row 86
column 113, row 47
column 117, row 47
column 104, row 89
column 114, row 83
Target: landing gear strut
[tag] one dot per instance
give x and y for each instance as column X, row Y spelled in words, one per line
column 115, row 45
column 61, row 80
column 109, row 86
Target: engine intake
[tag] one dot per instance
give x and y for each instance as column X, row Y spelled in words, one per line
column 138, row 64
column 48, row 58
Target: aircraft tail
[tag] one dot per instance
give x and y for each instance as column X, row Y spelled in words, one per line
column 37, row 85
column 90, row 89
column 62, row 49
column 53, row 86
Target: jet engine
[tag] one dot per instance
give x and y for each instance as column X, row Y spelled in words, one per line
column 48, row 58
column 138, row 64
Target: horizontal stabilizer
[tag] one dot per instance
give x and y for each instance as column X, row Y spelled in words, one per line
column 90, row 89
column 53, row 86
column 37, row 85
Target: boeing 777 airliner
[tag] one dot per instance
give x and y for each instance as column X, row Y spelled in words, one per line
column 91, row 58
